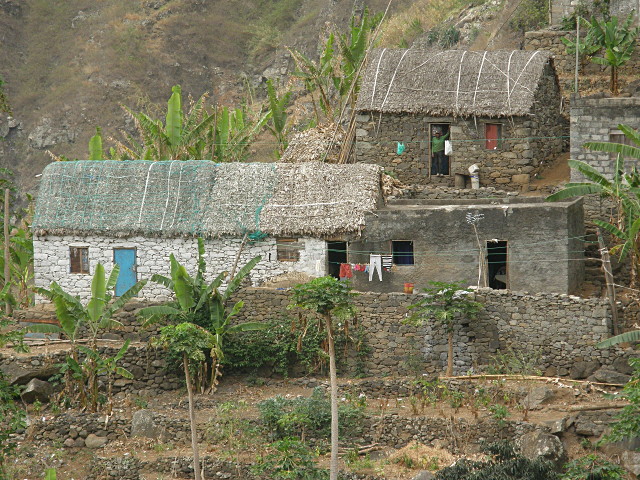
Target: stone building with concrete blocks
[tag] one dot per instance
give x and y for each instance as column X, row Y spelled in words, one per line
column 501, row 111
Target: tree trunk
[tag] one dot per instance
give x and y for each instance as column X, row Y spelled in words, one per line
column 333, row 472
column 192, row 420
column 614, row 81
column 450, row 354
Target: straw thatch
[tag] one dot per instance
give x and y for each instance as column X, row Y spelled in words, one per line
column 317, row 144
column 187, row 198
column 452, row 82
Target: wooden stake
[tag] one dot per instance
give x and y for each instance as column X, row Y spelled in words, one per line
column 7, row 271
column 608, row 275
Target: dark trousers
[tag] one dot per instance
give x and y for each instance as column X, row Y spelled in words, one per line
column 439, row 163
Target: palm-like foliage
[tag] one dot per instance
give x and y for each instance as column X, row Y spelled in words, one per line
column 617, row 43
column 204, row 304
column 96, row 316
column 278, row 109
column 444, row 303
column 623, row 189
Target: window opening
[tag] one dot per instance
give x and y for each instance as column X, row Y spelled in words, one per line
column 79, row 259
column 616, row 136
column 288, row 249
column 336, row 255
column 497, row 264
column 402, row 251
column 493, row 136
column 438, row 134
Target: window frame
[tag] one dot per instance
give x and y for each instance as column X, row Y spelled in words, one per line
column 79, row 263
column 395, row 254
column 288, row 249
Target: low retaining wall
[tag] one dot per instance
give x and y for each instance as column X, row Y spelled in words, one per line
column 563, row 328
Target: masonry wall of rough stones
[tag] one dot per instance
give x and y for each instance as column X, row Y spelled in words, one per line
column 563, row 328
column 148, row 366
column 52, row 259
column 526, row 142
column 595, row 120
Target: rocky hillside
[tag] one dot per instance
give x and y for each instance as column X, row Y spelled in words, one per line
column 69, row 66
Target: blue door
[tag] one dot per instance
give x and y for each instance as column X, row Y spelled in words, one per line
column 126, row 259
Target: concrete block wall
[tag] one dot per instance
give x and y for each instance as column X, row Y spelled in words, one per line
column 52, row 262
column 592, row 120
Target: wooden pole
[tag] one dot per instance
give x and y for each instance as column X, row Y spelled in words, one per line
column 608, row 275
column 577, row 52
column 7, row 271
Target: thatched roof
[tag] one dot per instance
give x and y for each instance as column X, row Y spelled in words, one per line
column 452, row 82
column 186, row 198
column 317, row 144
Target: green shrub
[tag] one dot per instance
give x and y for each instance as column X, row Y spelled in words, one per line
column 297, row 417
column 530, row 15
column 505, row 463
column 515, row 362
column 12, row 419
column 290, row 459
column 593, row 467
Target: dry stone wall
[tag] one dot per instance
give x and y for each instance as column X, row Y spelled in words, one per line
column 562, row 328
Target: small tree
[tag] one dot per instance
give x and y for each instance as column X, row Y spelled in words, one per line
column 444, row 303
column 617, row 43
column 278, row 118
column 189, row 341
column 331, row 299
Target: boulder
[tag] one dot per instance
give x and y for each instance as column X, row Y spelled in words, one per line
column 582, row 370
column 424, row 475
column 37, row 389
column 606, row 375
column 541, row 444
column 621, row 365
column 537, row 397
column 143, row 425
column 94, row 441
column 631, row 461
column 21, row 374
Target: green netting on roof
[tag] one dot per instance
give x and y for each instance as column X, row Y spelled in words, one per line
column 172, row 197
column 198, row 197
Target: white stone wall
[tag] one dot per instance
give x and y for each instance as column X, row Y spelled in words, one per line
column 51, row 259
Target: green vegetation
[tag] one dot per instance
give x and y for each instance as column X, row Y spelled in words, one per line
column 593, row 467
column 277, row 124
column 330, row 299
column 289, row 459
column 586, row 9
column 622, row 190
column 504, row 463
column 302, row 417
column 12, row 419
column 530, row 15
column 4, row 101
column 203, row 304
column 444, row 303
column 516, row 362
column 627, row 422
column 82, row 377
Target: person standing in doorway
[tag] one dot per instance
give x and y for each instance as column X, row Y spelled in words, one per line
column 438, row 160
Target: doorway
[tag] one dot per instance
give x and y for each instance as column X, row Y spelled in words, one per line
column 439, row 162
column 336, row 255
column 125, row 258
column 497, row 264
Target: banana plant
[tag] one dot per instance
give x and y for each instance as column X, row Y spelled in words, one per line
column 81, row 377
column 203, row 304
column 278, row 125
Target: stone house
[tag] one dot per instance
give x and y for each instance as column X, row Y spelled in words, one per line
column 526, row 244
column 502, row 111
column 596, row 119
column 136, row 213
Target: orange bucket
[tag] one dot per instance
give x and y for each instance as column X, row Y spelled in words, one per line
column 408, row 288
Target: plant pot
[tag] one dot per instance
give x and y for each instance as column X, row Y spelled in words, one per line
column 408, row 288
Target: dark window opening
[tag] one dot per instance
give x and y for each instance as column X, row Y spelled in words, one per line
column 402, row 251
column 288, row 249
column 336, row 255
column 616, row 136
column 497, row 264
column 438, row 134
column 79, row 259
column 493, row 136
